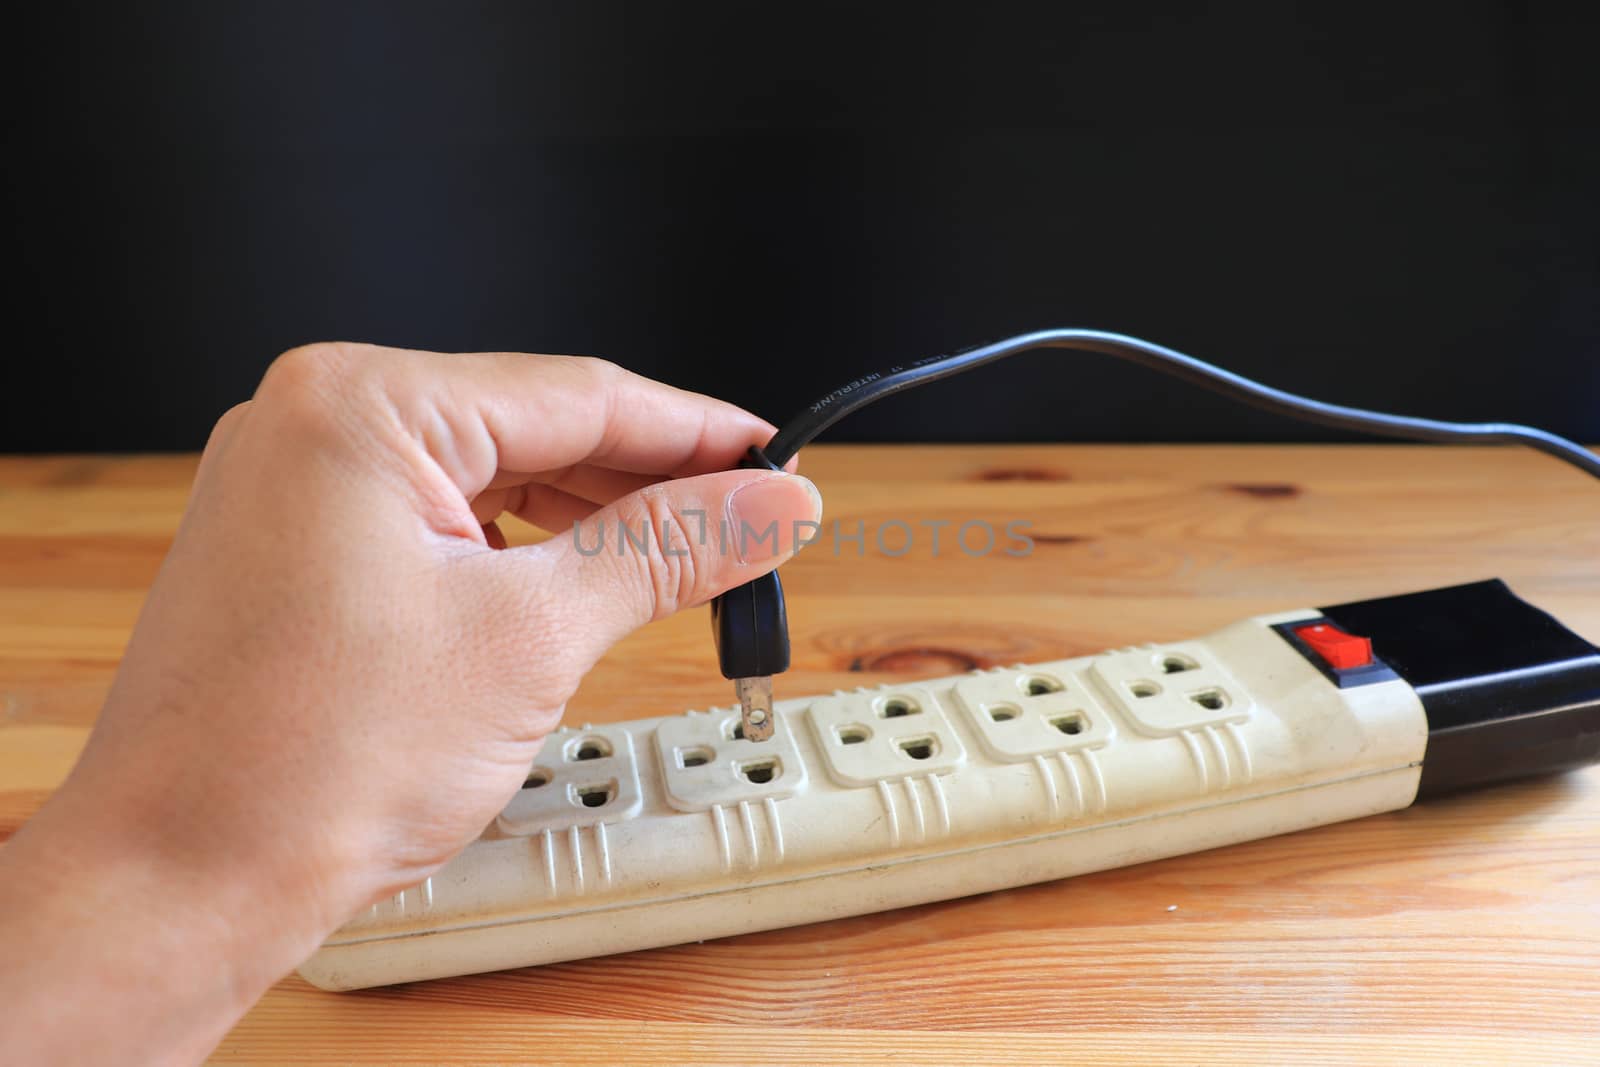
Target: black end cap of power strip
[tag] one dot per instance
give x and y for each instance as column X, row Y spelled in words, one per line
column 1508, row 690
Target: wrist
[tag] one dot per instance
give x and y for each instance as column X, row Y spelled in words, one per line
column 126, row 939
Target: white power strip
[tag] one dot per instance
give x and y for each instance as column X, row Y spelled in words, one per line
column 666, row 830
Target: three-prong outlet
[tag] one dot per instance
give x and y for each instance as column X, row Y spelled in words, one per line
column 581, row 777
column 869, row 737
column 1169, row 690
column 1018, row 715
column 706, row 762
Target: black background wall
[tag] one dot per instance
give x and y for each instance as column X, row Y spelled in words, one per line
column 1395, row 206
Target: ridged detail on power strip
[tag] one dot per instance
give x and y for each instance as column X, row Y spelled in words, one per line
column 563, row 868
column 416, row 900
column 1072, row 783
column 915, row 810
column 746, row 838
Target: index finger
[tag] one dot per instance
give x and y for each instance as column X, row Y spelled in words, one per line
column 540, row 412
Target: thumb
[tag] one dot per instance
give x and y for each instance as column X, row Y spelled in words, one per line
column 677, row 544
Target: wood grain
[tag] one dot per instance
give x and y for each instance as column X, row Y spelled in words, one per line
column 1465, row 930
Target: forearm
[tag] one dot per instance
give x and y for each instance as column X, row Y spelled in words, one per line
column 118, row 951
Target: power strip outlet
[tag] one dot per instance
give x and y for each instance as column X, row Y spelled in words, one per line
column 666, row 830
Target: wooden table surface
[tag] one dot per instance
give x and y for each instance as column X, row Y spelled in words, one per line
column 1465, row 929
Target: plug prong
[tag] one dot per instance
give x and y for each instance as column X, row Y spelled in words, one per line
column 755, row 706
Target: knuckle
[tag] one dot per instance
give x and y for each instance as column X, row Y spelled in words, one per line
column 316, row 387
column 307, row 371
column 600, row 370
column 596, row 376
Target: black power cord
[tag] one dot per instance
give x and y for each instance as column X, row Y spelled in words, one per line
column 858, row 394
column 751, row 628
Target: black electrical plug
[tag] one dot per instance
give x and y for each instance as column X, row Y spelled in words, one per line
column 751, row 630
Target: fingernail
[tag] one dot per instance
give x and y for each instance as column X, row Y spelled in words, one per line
column 762, row 516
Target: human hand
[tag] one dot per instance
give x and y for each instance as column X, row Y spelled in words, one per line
column 337, row 680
